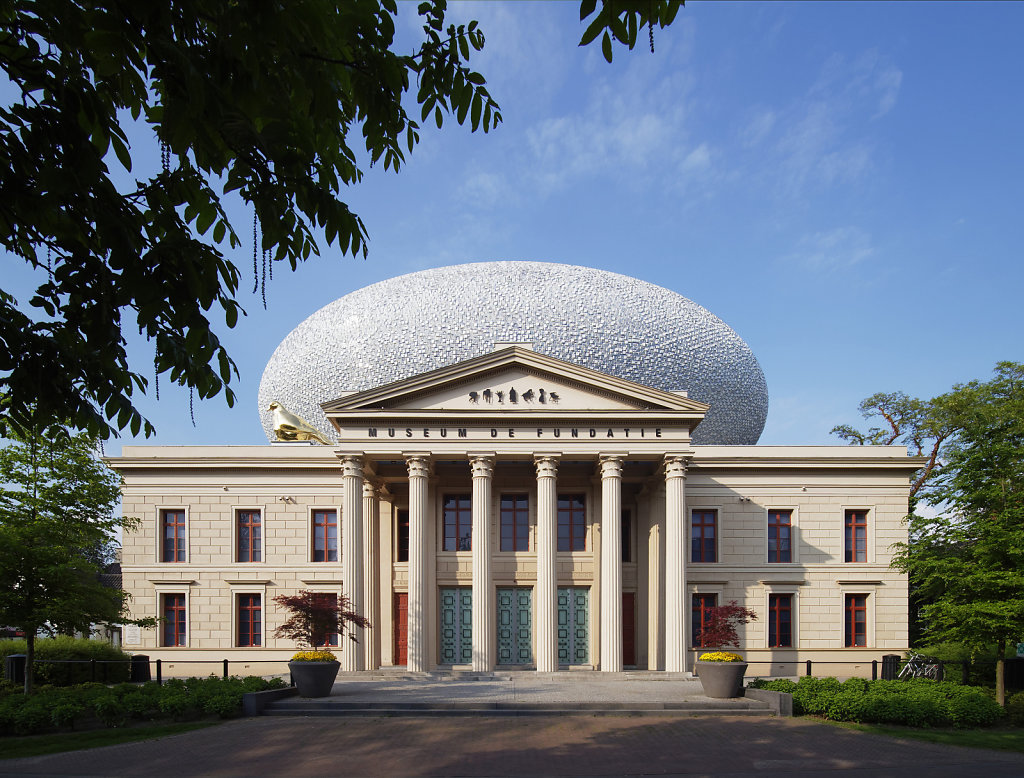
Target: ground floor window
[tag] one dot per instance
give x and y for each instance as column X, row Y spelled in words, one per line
column 250, row 620
column 780, row 620
column 174, row 617
column 702, row 603
column 856, row 620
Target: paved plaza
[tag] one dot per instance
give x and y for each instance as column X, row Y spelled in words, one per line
column 694, row 744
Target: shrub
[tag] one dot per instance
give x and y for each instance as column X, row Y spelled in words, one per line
column 776, row 685
column 813, row 695
column 52, row 655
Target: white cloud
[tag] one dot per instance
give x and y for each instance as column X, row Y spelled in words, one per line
column 837, row 249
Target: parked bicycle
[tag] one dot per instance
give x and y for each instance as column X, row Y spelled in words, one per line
column 920, row 666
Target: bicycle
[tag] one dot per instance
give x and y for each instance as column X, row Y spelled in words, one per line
column 919, row 666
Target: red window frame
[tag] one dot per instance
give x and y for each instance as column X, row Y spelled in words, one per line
column 402, row 536
column 700, row 605
column 780, row 620
column 856, row 621
column 174, row 620
column 250, row 620
column 332, row 639
column 572, row 522
column 325, row 535
column 515, row 522
column 249, row 530
column 780, row 535
column 172, row 535
column 856, row 536
column 704, row 536
column 457, row 510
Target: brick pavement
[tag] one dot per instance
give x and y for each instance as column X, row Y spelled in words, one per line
column 543, row 746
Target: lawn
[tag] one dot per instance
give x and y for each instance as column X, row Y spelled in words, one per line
column 997, row 738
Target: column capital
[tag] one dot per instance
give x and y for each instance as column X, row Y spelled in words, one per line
column 675, row 465
column 482, row 464
column 418, row 464
column 547, row 465
column 371, row 488
column 351, row 463
column 610, row 465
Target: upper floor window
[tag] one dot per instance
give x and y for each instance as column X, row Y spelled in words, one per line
column 250, row 620
column 702, row 604
column 325, row 536
column 855, row 620
column 703, row 533
column 856, row 536
column 250, row 540
column 174, row 620
column 458, row 523
column 780, row 620
column 780, row 536
column 515, row 522
column 572, row 522
column 172, row 536
column 402, row 536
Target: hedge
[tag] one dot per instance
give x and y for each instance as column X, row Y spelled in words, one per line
column 113, row 665
column 918, row 702
column 60, row 708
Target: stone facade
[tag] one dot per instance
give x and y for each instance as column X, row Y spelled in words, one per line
column 623, row 452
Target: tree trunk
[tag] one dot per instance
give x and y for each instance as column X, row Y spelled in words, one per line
column 30, row 655
column 1001, row 674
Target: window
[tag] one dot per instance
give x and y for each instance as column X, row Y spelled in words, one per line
column 174, row 620
column 856, row 540
column 703, row 528
column 572, row 522
column 250, row 620
column 458, row 523
column 780, row 535
column 856, row 620
column 172, row 536
column 627, row 536
column 331, row 639
column 702, row 603
column 780, row 620
column 515, row 523
column 325, row 536
column 402, row 536
column 249, row 536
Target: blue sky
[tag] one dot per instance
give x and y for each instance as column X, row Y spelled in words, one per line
column 840, row 182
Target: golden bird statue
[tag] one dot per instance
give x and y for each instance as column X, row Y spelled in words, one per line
column 288, row 426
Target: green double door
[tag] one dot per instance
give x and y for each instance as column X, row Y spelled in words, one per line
column 515, row 625
column 456, row 625
column 573, row 625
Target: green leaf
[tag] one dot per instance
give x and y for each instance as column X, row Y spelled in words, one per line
column 606, row 47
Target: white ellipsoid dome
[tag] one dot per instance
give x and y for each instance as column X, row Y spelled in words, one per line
column 605, row 321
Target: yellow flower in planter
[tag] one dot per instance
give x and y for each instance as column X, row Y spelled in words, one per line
column 719, row 656
column 314, row 656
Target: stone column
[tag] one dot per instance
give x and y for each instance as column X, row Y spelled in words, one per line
column 655, row 578
column 352, row 549
column 547, row 574
column 371, row 574
column 676, row 606
column 611, row 564
column 484, row 627
column 419, row 556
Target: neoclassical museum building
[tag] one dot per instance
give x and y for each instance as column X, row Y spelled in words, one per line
column 518, row 465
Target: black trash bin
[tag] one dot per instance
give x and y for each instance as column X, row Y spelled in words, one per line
column 140, row 668
column 890, row 667
column 14, row 668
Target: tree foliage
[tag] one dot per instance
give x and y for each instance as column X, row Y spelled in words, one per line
column 56, row 523
column 282, row 105
column 965, row 558
column 720, row 623
column 315, row 616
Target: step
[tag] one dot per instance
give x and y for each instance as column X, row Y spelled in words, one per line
column 704, row 707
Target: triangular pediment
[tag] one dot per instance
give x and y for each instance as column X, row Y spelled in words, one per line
column 515, row 379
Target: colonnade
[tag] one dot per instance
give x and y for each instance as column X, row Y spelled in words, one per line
column 360, row 561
